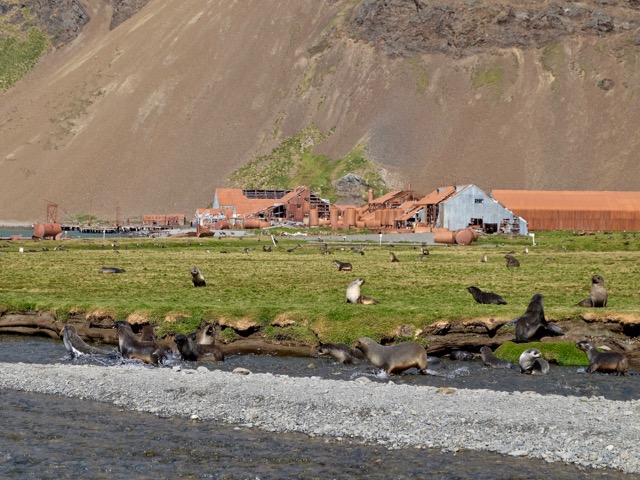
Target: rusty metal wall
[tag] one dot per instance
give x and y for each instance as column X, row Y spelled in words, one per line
column 580, row 220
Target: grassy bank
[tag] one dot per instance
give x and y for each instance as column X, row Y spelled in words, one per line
column 304, row 287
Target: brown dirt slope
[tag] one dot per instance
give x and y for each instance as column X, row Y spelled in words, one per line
column 152, row 115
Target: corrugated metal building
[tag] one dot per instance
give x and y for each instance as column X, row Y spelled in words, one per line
column 574, row 210
column 460, row 206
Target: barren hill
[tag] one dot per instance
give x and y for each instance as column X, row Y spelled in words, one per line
column 152, row 115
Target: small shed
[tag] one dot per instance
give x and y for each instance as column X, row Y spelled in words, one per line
column 461, row 206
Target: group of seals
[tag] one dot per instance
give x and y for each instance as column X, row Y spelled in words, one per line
column 354, row 295
column 608, row 362
column 598, row 295
column 197, row 347
column 485, row 297
column 394, row 358
column 130, row 347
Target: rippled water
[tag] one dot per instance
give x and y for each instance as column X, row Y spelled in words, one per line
column 44, row 436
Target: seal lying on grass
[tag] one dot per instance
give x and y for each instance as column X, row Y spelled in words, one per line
column 486, row 298
column 395, row 358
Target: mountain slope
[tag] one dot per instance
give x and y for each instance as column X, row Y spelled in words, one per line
column 154, row 114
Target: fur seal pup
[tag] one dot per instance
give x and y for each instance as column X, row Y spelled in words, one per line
column 354, row 296
column 131, row 347
column 343, row 266
column 607, row 362
column 461, row 355
column 76, row 346
column 532, row 325
column 340, row 352
column 393, row 258
column 197, row 278
column 111, row 270
column 598, row 295
column 395, row 358
column 491, row 361
column 512, row 261
column 148, row 334
column 207, row 336
column 532, row 363
column 192, row 351
column 485, row 297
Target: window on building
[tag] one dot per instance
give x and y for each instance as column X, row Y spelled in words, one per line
column 479, row 200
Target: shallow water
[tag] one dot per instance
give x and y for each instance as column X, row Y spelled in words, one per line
column 46, row 436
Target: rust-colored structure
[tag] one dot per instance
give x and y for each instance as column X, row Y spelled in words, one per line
column 574, row 210
column 168, row 220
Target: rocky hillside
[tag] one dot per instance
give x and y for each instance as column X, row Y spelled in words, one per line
column 148, row 105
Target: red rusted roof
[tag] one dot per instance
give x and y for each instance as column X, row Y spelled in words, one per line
column 386, row 197
column 568, row 200
column 437, row 196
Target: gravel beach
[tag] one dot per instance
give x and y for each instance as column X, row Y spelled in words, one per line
column 592, row 432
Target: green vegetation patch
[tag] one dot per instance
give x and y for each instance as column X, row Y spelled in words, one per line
column 565, row 354
column 488, row 77
column 19, row 53
column 552, row 57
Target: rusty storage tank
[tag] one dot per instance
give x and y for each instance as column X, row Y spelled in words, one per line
column 350, row 217
column 313, row 217
column 444, row 236
column 253, row 223
column 372, row 223
column 463, row 236
column 47, row 230
column 333, row 217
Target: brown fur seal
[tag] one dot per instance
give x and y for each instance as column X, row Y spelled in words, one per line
column 343, row 266
column 531, row 362
column 354, row 296
column 598, row 295
column 207, row 336
column 491, row 361
column 341, row 352
column 76, row 346
column 111, row 270
column 395, row 358
column 197, row 278
column 461, row 355
column 532, row 325
column 131, row 347
column 512, row 261
column 607, row 362
column 393, row 258
column 485, row 297
column 148, row 334
column 192, row 351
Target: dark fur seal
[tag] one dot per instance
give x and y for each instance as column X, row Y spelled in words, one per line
column 131, row 347
column 598, row 295
column 485, row 297
column 393, row 258
column 607, row 362
column 491, row 361
column 76, row 346
column 341, row 352
column 148, row 334
column 531, row 362
column 512, row 261
column 354, row 296
column 461, row 355
column 197, row 278
column 111, row 270
column 532, row 325
column 343, row 266
column 192, row 351
column 395, row 358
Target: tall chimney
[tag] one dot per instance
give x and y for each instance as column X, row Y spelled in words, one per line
column 370, row 195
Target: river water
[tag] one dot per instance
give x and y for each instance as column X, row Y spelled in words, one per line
column 45, row 436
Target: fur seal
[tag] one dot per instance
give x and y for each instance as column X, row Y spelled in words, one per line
column 395, row 358
column 491, row 361
column 512, row 261
column 343, row 266
column 598, row 294
column 607, row 362
column 485, row 297
column 393, row 258
column 207, row 336
column 461, row 355
column 148, row 334
column 197, row 278
column 192, row 351
column 76, row 346
column 354, row 296
column 531, row 362
column 532, row 325
column 341, row 352
column 131, row 347
column 111, row 270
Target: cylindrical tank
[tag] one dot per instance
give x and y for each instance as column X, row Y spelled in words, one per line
column 47, row 230
column 333, row 217
column 474, row 232
column 444, row 236
column 360, row 224
column 313, row 217
column 372, row 223
column 464, row 236
column 350, row 217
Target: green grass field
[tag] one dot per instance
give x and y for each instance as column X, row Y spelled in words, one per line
column 306, row 288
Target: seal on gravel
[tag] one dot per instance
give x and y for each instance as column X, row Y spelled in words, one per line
column 340, row 352
column 76, row 346
column 491, row 361
column 532, row 325
column 343, row 266
column 354, row 296
column 192, row 351
column 394, row 358
column 598, row 295
column 197, row 278
column 607, row 362
column 485, row 297
column 531, row 362
column 131, row 347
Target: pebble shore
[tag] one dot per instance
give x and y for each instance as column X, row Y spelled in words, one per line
column 591, row 432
